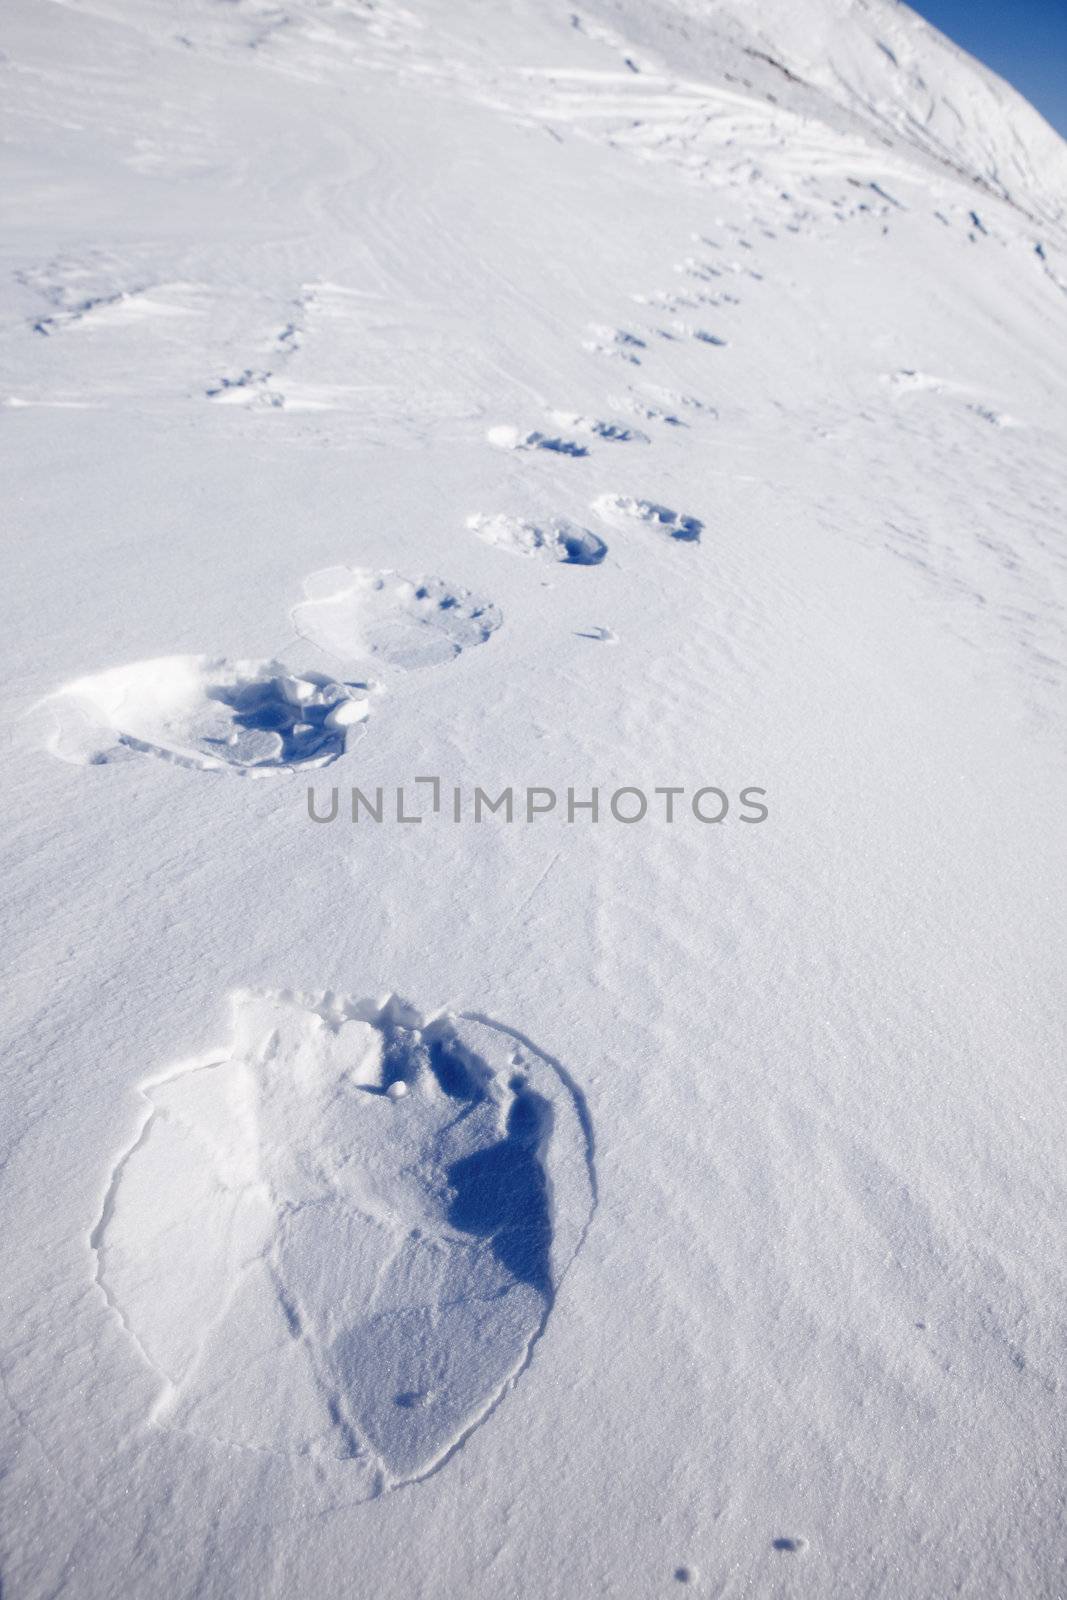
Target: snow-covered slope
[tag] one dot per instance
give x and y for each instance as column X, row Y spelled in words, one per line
column 893, row 76
column 477, row 407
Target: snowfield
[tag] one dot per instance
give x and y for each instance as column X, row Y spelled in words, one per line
column 420, row 1195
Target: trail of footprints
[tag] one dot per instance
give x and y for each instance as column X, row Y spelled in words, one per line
column 340, row 1238
column 560, row 539
column 260, row 718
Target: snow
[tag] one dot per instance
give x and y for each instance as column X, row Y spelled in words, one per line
column 717, row 1237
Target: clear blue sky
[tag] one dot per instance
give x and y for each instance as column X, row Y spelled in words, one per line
column 1024, row 41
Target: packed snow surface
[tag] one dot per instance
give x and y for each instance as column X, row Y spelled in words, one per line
column 586, row 1121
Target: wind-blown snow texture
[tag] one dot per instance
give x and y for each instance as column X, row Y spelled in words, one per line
column 697, row 1217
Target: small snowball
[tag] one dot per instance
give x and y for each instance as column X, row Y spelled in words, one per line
column 397, row 1090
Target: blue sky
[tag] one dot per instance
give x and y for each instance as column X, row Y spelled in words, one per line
column 1024, row 41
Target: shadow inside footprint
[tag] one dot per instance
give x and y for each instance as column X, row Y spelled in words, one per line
column 581, row 548
column 454, row 1075
column 562, row 447
column 271, row 729
column 500, row 1193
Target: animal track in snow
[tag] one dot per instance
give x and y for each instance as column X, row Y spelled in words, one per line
column 723, row 298
column 125, row 305
column 618, row 509
column 666, row 300
column 648, row 413
column 97, row 292
column 261, row 391
column 909, row 381
column 274, row 385
column 253, row 718
column 342, row 1236
column 249, row 388
column 558, row 539
column 614, row 342
column 676, row 402
column 703, row 271
column 999, row 419
column 354, row 612
column 508, row 438
column 610, row 432
column 685, row 330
